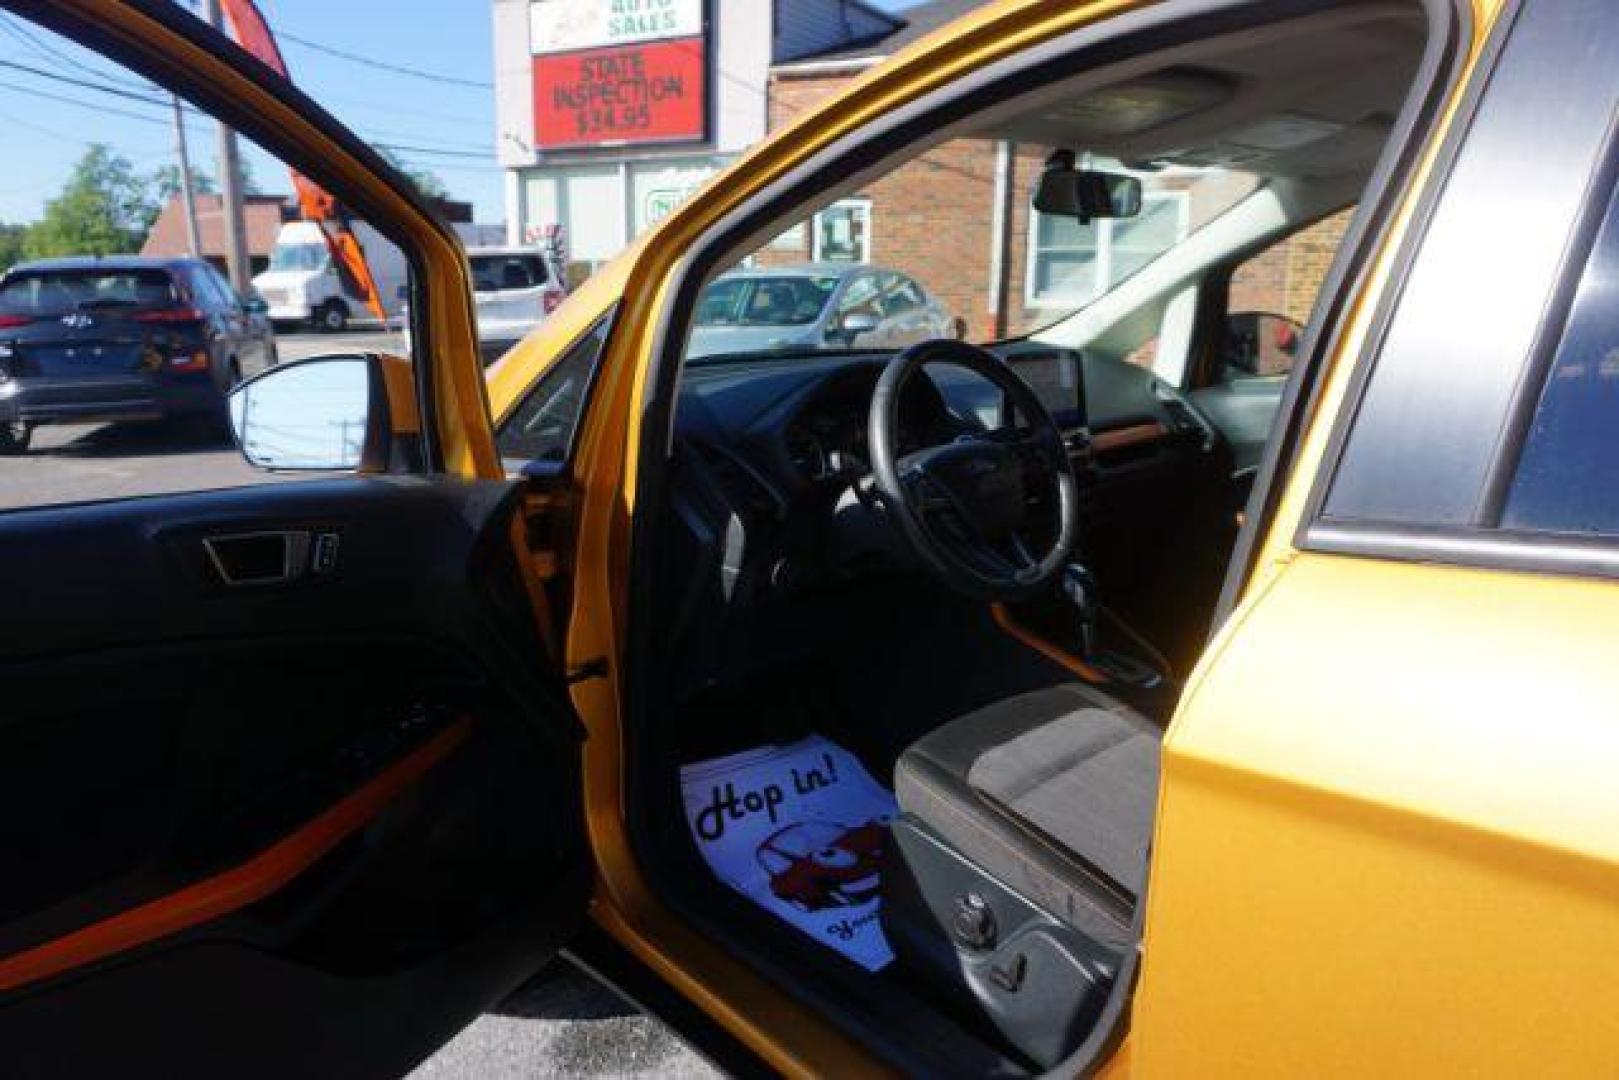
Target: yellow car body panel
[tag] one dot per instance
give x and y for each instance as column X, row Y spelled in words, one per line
column 1386, row 844
column 1386, row 839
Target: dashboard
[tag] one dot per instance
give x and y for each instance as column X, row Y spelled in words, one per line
column 771, row 496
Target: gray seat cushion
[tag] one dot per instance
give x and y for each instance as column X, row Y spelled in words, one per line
column 1053, row 793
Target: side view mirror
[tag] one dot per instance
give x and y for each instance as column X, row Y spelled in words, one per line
column 323, row 414
column 1086, row 194
column 1260, row 343
column 255, row 305
column 856, row 323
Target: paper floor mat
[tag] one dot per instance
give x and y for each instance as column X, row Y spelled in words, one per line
column 799, row 830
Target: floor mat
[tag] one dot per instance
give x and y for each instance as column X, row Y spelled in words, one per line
column 800, row 831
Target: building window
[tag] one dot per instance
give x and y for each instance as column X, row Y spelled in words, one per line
column 1072, row 264
column 842, row 232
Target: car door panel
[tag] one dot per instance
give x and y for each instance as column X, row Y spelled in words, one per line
column 299, row 800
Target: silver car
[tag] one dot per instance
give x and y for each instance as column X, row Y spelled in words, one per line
column 818, row 306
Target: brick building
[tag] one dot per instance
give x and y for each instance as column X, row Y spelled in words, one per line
column 262, row 214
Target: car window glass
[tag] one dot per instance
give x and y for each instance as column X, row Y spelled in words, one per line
column 861, row 297
column 542, row 426
column 1570, row 457
column 56, row 291
column 211, row 293
column 948, row 244
column 901, row 295
column 222, row 286
column 1271, row 296
column 114, row 371
column 719, row 303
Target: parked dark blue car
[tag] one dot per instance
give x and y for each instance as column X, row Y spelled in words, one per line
column 121, row 338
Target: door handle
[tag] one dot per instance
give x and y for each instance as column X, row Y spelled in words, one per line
column 272, row 557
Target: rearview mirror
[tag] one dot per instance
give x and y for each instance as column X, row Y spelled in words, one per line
column 255, row 304
column 1086, row 194
column 327, row 413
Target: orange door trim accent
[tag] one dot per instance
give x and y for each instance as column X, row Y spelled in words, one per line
column 233, row 889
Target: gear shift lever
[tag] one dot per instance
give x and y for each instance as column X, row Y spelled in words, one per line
column 1080, row 588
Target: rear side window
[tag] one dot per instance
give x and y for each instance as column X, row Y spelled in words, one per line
column 1565, row 480
column 1482, row 432
column 493, row 273
column 62, row 292
column 207, row 290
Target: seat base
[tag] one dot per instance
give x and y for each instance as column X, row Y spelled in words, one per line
column 1040, row 984
column 1052, row 793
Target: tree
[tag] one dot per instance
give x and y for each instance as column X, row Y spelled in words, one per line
column 250, row 183
column 11, row 245
column 105, row 208
column 166, row 183
column 426, row 181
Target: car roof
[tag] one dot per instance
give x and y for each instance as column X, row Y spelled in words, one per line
column 106, row 262
column 821, row 269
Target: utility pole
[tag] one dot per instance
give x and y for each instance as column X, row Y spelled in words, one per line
column 187, row 199
column 230, row 189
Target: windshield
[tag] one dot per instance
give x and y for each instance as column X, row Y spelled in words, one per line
column 59, row 292
column 765, row 301
column 299, row 257
column 950, row 244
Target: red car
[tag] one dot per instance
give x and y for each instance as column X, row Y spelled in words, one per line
column 821, row 864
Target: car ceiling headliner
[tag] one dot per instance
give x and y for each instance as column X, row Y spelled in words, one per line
column 1339, row 81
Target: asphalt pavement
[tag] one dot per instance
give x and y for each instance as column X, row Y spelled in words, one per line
column 563, row 1023
column 85, row 462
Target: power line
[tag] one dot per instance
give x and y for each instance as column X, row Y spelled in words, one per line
column 485, row 155
column 131, row 95
column 20, row 31
column 94, row 105
column 397, row 69
column 443, row 149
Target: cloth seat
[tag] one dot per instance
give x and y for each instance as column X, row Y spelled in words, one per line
column 1053, row 793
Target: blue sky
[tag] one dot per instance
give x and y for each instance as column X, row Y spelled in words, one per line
column 452, row 124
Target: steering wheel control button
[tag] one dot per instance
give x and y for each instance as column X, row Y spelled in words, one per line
column 974, row 922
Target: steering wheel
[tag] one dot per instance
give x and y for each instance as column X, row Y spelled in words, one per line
column 964, row 506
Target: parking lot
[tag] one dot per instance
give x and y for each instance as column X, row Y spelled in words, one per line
column 82, row 462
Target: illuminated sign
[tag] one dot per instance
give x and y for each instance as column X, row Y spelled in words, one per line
column 567, row 25
column 653, row 92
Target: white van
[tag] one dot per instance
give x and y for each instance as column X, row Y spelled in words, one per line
column 302, row 285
